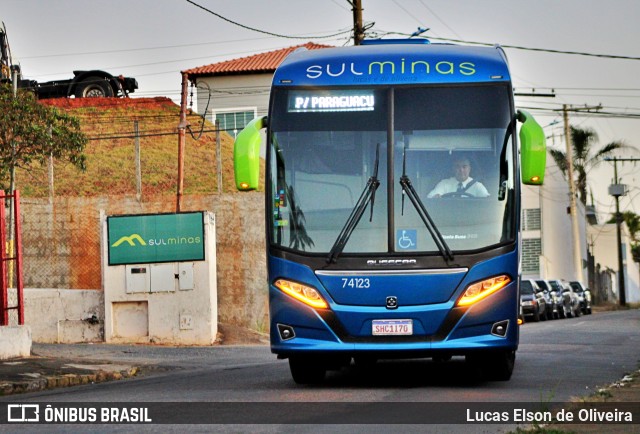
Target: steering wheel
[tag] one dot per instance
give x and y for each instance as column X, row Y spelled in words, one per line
column 457, row 194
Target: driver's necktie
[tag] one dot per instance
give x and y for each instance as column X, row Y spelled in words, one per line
column 460, row 187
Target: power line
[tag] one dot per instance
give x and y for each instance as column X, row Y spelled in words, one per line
column 439, row 19
column 125, row 50
column 235, row 23
column 176, row 71
column 580, row 113
column 519, row 47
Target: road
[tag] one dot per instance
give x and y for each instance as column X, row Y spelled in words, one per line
column 556, row 360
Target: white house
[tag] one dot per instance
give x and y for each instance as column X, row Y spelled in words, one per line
column 236, row 91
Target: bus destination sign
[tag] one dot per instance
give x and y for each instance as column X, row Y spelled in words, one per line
column 335, row 101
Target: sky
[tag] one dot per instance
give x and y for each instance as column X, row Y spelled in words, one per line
column 153, row 40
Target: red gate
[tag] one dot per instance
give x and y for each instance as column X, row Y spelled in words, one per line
column 10, row 255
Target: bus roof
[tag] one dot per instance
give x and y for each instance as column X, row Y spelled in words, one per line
column 381, row 64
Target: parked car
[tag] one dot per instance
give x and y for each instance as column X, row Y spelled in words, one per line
column 532, row 300
column 576, row 311
column 550, row 298
column 584, row 294
column 563, row 300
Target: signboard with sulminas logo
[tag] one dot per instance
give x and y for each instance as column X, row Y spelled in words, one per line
column 143, row 239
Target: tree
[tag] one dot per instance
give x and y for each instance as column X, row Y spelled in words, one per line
column 31, row 132
column 584, row 158
column 633, row 224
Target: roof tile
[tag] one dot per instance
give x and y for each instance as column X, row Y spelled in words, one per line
column 264, row 62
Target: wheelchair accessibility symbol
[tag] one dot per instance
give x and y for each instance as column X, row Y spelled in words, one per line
column 407, row 239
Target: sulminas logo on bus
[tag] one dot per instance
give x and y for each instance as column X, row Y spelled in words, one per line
column 401, row 67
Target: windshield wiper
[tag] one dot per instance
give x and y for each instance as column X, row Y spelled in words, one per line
column 407, row 188
column 367, row 195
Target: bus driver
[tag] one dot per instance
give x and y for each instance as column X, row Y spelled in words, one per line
column 461, row 184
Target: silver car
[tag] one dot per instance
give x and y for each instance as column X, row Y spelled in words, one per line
column 553, row 301
column 563, row 299
column 584, row 294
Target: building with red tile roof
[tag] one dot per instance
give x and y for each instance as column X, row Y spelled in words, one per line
column 236, row 91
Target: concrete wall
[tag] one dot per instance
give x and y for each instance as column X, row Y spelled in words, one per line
column 64, row 315
column 15, row 341
column 61, row 248
column 605, row 252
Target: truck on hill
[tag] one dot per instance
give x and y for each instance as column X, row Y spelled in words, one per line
column 84, row 84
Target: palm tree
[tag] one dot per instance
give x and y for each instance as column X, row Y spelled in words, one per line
column 633, row 224
column 583, row 141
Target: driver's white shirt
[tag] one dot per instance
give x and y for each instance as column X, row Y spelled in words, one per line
column 450, row 185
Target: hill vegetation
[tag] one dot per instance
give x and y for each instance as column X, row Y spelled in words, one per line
column 110, row 153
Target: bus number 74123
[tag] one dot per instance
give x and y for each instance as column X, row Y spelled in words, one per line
column 356, row 283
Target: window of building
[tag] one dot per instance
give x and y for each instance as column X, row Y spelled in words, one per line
column 234, row 120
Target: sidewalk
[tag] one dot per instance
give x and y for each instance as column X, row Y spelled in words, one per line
column 59, row 365
column 39, row 373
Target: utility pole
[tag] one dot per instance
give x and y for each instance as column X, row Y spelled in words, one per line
column 358, row 30
column 621, row 287
column 182, row 127
column 218, row 156
column 51, row 174
column 575, row 229
column 616, row 190
column 15, row 71
column 136, row 131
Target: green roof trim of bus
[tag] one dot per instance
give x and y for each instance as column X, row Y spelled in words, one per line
column 246, row 155
column 533, row 149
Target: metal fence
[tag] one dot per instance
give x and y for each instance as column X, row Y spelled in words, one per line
column 11, row 289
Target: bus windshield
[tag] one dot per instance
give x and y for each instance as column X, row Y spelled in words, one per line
column 452, row 143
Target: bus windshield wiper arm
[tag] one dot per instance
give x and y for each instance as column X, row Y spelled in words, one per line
column 407, row 188
column 368, row 195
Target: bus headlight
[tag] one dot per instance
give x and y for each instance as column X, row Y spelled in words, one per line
column 479, row 290
column 303, row 293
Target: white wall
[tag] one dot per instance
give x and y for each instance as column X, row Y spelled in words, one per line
column 556, row 261
column 64, row 315
column 605, row 251
column 234, row 91
column 15, row 341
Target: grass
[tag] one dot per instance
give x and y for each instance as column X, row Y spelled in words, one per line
column 111, row 167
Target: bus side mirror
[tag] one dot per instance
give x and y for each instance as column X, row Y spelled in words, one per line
column 533, row 149
column 246, row 155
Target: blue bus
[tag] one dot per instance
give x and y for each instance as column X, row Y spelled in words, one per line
column 371, row 252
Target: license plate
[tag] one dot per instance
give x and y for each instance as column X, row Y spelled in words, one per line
column 392, row 327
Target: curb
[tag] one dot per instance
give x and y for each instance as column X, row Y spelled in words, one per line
column 64, row 380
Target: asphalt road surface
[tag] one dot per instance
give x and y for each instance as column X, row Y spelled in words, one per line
column 557, row 360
